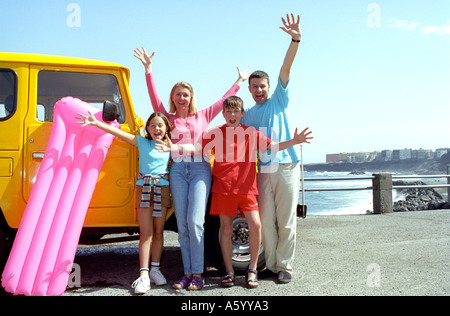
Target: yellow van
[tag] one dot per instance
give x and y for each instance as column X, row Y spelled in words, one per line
column 30, row 85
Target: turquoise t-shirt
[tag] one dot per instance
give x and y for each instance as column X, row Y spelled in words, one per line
column 271, row 118
column 151, row 161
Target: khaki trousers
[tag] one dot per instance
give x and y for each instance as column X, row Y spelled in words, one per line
column 278, row 199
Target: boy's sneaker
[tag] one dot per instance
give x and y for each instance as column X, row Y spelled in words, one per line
column 157, row 277
column 141, row 285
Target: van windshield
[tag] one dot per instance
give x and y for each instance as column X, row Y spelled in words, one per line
column 89, row 87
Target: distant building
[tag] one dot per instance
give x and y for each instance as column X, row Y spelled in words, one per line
column 352, row 157
column 422, row 154
column 401, row 154
column 332, row 158
column 441, row 152
column 388, row 155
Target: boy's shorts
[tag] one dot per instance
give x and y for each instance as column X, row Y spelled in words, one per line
column 229, row 205
column 165, row 198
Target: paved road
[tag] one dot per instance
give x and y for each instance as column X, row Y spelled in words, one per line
column 393, row 254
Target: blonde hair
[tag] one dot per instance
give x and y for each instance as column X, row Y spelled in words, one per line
column 192, row 105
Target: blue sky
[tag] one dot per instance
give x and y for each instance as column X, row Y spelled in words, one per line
column 369, row 75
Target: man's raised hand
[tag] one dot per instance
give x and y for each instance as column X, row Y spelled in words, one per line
column 292, row 27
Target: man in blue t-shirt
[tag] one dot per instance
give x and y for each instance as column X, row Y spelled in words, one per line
column 279, row 176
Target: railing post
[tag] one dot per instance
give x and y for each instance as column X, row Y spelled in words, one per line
column 448, row 182
column 382, row 193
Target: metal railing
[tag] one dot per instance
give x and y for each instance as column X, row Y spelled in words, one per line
column 373, row 187
column 423, row 185
column 339, row 179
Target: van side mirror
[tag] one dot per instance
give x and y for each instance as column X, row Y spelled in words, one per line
column 110, row 111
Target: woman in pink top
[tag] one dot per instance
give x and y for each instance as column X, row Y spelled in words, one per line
column 190, row 175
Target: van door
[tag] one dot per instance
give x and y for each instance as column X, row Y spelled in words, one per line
column 13, row 108
column 114, row 193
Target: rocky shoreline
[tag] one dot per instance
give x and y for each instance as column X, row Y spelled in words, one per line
column 418, row 199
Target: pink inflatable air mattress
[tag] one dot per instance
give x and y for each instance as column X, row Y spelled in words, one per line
column 44, row 249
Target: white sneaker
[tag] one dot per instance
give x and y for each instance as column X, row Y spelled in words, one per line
column 157, row 277
column 141, row 285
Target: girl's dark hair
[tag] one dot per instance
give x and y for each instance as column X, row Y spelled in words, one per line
column 166, row 121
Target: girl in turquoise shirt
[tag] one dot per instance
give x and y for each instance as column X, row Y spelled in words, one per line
column 153, row 182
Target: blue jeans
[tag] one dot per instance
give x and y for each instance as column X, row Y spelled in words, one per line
column 190, row 184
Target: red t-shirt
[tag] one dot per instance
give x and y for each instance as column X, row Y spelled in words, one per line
column 235, row 158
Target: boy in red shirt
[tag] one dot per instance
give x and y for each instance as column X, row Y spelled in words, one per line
column 234, row 172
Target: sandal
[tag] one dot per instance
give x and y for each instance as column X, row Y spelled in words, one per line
column 196, row 284
column 248, row 280
column 183, row 282
column 228, row 280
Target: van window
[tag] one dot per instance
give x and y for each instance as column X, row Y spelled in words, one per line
column 89, row 87
column 8, row 85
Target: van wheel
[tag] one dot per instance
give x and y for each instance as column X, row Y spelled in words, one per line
column 239, row 240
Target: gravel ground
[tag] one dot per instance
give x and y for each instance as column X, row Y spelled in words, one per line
column 391, row 254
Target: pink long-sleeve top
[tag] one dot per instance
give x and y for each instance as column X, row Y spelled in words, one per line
column 190, row 131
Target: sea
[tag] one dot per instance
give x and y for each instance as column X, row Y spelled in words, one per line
column 343, row 202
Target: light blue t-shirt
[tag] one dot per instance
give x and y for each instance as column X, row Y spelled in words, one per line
column 271, row 118
column 151, row 161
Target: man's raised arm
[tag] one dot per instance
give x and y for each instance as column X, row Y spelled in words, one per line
column 292, row 28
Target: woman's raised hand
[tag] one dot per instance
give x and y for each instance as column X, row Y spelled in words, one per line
column 243, row 75
column 145, row 59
